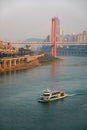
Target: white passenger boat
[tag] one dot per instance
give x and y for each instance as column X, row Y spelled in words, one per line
column 50, row 95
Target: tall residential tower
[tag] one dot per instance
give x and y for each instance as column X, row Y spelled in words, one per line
column 59, row 30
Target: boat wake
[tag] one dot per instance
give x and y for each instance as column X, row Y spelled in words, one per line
column 77, row 94
column 70, row 95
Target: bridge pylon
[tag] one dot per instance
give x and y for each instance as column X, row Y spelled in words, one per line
column 53, row 37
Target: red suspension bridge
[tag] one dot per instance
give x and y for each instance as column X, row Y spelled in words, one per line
column 53, row 42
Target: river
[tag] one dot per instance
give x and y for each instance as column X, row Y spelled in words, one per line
column 20, row 90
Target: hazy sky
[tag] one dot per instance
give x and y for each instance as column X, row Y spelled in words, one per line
column 21, row 19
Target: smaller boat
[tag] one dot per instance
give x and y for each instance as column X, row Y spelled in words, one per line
column 51, row 95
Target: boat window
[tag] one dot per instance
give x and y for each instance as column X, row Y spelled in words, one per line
column 46, row 94
column 54, row 97
column 55, row 93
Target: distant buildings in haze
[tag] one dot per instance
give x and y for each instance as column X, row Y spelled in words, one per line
column 74, row 37
column 60, row 37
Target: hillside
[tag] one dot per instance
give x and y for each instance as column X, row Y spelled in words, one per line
column 34, row 40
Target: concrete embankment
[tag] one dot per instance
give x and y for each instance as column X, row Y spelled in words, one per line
column 25, row 62
column 18, row 63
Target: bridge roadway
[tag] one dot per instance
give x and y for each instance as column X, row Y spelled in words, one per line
column 48, row 43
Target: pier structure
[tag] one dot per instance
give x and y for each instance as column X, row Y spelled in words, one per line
column 12, row 63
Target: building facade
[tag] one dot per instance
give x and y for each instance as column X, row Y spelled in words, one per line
column 59, row 31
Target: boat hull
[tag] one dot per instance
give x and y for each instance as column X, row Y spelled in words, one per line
column 49, row 100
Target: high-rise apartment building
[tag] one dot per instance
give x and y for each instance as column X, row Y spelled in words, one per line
column 85, row 36
column 82, row 38
column 59, row 30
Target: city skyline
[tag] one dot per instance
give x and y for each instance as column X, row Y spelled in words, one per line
column 21, row 19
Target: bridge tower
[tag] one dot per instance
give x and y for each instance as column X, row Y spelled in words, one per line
column 53, row 37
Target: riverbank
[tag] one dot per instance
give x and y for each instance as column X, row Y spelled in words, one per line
column 47, row 59
column 43, row 60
